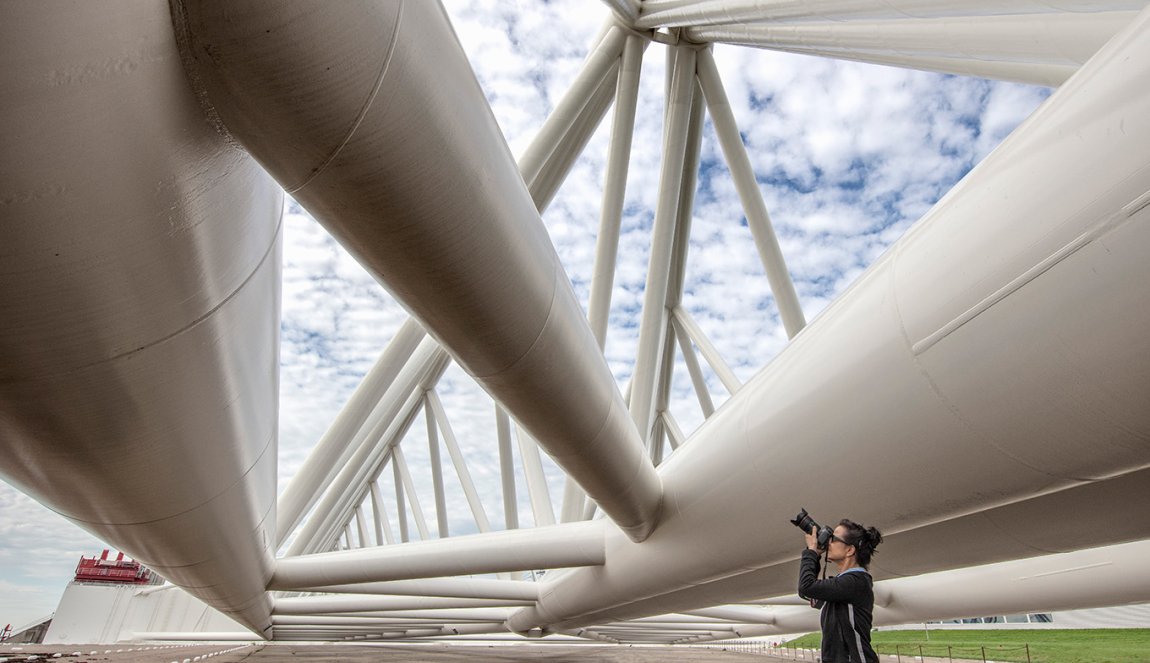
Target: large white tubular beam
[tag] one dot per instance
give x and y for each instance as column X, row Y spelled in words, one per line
column 334, row 448
column 1042, row 49
column 406, row 166
column 139, row 299
column 572, row 544
column 1095, row 577
column 476, row 588
column 626, row 10
column 755, row 209
column 1067, row 39
column 1049, row 75
column 972, row 345
column 1110, row 511
column 678, row 13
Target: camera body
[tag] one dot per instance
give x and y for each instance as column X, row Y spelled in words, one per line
column 823, row 533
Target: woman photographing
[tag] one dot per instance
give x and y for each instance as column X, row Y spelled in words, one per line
column 846, row 600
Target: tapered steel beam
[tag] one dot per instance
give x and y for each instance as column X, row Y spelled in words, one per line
column 407, row 168
column 139, row 302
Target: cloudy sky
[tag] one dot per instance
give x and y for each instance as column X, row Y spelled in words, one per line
column 847, row 155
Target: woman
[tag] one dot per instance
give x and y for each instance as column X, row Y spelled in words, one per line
column 847, row 600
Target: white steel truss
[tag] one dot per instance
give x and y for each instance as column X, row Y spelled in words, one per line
column 662, row 534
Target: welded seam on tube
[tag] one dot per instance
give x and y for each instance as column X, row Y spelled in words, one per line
column 1026, row 277
column 363, row 111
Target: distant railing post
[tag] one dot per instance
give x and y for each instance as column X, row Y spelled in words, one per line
column 949, row 654
column 898, row 654
column 920, row 652
column 1027, row 652
column 984, row 654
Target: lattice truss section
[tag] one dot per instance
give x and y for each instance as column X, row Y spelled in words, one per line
column 987, row 371
column 361, row 499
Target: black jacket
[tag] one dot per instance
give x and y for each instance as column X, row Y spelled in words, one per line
column 847, row 602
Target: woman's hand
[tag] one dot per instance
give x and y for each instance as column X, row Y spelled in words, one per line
column 812, row 540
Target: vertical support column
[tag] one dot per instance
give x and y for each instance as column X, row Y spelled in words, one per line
column 760, row 224
column 436, row 407
column 536, row 481
column 507, row 469
column 651, row 332
column 574, row 498
column 412, row 496
column 382, row 522
column 401, row 504
column 614, row 187
column 436, row 467
column 677, row 275
column 361, row 526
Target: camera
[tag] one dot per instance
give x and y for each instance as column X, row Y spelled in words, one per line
column 804, row 522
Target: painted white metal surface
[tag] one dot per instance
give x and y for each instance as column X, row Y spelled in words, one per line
column 460, row 257
column 1004, row 330
column 997, row 400
column 139, row 294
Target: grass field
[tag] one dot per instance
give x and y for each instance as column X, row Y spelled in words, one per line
column 1117, row 645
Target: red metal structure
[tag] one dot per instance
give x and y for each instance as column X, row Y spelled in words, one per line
column 119, row 570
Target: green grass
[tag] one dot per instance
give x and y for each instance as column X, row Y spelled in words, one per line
column 1112, row 645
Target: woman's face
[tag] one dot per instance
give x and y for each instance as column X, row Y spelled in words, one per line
column 836, row 549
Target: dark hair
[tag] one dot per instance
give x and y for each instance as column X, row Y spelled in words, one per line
column 864, row 539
